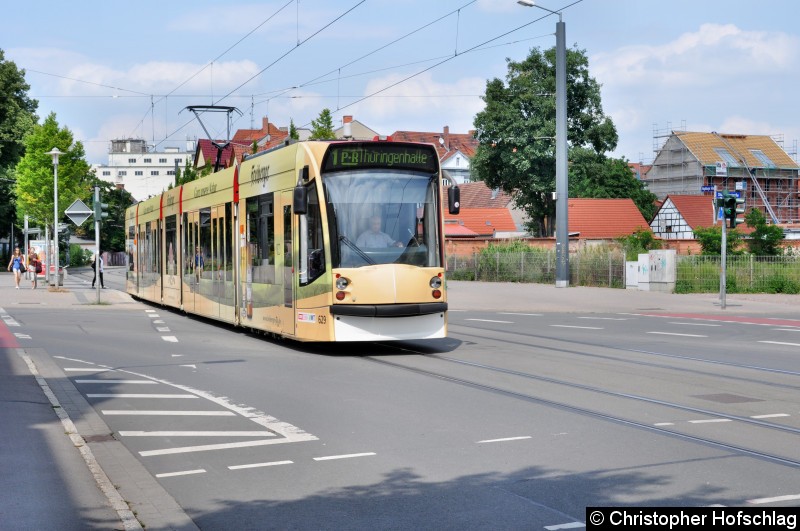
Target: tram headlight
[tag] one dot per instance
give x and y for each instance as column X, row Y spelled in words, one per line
column 436, row 282
column 342, row 283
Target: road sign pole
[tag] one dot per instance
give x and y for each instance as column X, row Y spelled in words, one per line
column 722, row 269
column 98, row 278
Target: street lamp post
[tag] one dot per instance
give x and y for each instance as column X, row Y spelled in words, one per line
column 562, row 184
column 55, row 153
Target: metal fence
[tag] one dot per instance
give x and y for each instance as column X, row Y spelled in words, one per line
column 695, row 274
column 743, row 274
column 585, row 269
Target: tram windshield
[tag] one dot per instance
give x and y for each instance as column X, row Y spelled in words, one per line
column 383, row 217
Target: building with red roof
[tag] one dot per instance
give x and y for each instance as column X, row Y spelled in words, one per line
column 455, row 149
column 482, row 222
column 603, row 219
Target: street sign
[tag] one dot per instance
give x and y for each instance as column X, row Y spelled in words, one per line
column 709, row 188
column 720, row 214
column 730, row 194
column 78, row 212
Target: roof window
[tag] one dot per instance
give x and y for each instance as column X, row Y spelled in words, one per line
column 765, row 160
column 727, row 157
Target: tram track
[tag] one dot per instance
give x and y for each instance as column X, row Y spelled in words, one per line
column 594, row 413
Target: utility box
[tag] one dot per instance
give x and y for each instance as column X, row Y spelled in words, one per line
column 631, row 275
column 663, row 270
column 643, row 272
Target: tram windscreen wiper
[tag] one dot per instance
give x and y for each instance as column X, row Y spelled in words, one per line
column 356, row 248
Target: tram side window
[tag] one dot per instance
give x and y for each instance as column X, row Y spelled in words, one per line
column 261, row 238
column 205, row 240
column 314, row 255
column 227, row 245
column 171, row 240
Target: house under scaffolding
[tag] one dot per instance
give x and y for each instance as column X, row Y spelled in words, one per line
column 756, row 165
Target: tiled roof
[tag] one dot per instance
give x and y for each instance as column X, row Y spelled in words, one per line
column 478, row 195
column 247, row 136
column 454, row 230
column 207, row 153
column 604, row 218
column 484, row 221
column 702, row 146
column 465, row 143
column 697, row 210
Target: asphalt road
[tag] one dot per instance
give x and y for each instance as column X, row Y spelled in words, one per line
column 520, row 419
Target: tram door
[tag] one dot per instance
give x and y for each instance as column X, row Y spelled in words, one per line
column 191, row 246
column 286, row 262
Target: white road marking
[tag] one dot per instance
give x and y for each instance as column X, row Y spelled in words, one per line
column 87, row 369
column 72, row 359
column 159, row 321
column 693, row 324
column 571, row 525
column 257, row 465
column 163, row 328
column 664, row 424
column 781, row 343
column 161, row 412
column 184, row 473
column 149, row 311
column 490, row 321
column 22, row 336
column 674, row 334
column 191, row 366
column 772, row 416
column 171, row 339
column 605, row 318
column 505, row 439
column 132, row 395
column 526, row 314
column 177, row 355
column 347, row 456
column 207, row 447
column 708, row 421
column 582, row 327
column 785, row 329
column 788, row 497
column 196, row 434
column 101, row 381
column 154, row 316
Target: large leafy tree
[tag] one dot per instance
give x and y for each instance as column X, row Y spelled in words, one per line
column 517, row 128
column 322, row 127
column 34, row 186
column 17, row 118
column 594, row 175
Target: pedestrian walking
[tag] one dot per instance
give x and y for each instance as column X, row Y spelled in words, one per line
column 97, row 265
column 34, row 268
column 17, row 265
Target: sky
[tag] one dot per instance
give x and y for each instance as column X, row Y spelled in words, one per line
column 109, row 72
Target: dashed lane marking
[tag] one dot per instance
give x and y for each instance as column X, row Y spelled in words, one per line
column 196, row 434
column 183, row 473
column 165, row 413
column 771, row 416
column 258, row 465
column 170, row 339
column 570, row 525
column 709, row 421
column 524, row 314
column 789, row 497
column 208, row 447
column 605, row 318
column 490, row 321
column 581, row 327
column 140, row 395
column 693, row 324
column 675, row 334
column 781, row 343
column 506, row 439
column 102, row 381
column 346, row 456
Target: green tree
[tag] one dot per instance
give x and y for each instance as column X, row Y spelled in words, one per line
column 638, row 243
column 765, row 239
column 17, row 119
column 322, row 127
column 710, row 240
column 516, row 130
column 593, row 175
column 112, row 229
column 187, row 175
column 34, row 186
column 293, row 130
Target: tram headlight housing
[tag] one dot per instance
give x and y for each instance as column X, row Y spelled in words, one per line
column 342, row 283
column 436, row 282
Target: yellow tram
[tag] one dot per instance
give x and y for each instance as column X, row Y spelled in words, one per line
column 315, row 241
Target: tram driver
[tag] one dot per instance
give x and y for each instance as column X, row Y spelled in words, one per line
column 374, row 237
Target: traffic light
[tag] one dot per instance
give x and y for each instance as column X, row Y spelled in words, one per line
column 99, row 209
column 737, row 207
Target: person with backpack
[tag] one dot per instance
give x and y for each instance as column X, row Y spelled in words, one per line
column 17, row 264
column 34, row 268
column 97, row 266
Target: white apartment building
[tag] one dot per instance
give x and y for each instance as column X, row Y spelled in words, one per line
column 141, row 172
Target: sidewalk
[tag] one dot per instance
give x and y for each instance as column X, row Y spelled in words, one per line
column 63, row 471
